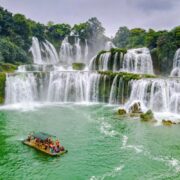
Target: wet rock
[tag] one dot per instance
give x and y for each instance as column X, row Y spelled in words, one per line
column 135, row 108
column 148, row 116
column 78, row 66
column 122, row 111
column 167, row 122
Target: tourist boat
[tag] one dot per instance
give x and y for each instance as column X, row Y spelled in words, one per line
column 45, row 143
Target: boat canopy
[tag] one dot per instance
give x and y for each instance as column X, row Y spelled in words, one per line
column 42, row 136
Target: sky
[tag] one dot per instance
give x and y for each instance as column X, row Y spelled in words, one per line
column 156, row 14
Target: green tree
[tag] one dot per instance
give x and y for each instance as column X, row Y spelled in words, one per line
column 122, row 37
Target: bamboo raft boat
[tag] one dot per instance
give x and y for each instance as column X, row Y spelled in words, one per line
column 39, row 141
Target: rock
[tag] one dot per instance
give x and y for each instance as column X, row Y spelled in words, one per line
column 135, row 108
column 148, row 116
column 122, row 111
column 78, row 66
column 167, row 122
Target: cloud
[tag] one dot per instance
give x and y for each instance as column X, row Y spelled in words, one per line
column 157, row 14
column 156, row 5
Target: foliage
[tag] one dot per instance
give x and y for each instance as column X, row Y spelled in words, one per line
column 2, row 87
column 16, row 33
column 8, row 68
column 162, row 44
column 11, row 53
column 127, row 76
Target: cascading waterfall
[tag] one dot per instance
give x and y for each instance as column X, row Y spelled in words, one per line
column 176, row 65
column 138, row 61
column 47, row 81
column 21, row 88
column 135, row 61
column 86, row 51
column 74, row 52
column 66, row 51
column 36, row 51
column 160, row 95
column 43, row 53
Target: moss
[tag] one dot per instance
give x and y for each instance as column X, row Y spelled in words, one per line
column 119, row 50
column 126, row 76
column 100, row 53
column 78, row 66
column 148, row 116
column 2, row 87
column 6, row 67
column 122, row 111
column 167, row 122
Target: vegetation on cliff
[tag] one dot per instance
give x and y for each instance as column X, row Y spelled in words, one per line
column 2, row 87
column 16, row 32
column 126, row 76
column 162, row 44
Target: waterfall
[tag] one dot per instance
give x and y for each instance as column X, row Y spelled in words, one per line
column 86, row 51
column 43, row 53
column 74, row 51
column 78, row 53
column 135, row 61
column 157, row 94
column 176, row 65
column 21, row 88
column 36, row 68
column 138, row 61
column 36, row 51
column 68, row 86
column 66, row 51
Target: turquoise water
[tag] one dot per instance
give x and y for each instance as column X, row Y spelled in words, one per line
column 101, row 145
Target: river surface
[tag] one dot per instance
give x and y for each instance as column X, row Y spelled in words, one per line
column 101, row 145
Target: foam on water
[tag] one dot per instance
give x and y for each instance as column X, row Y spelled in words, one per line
column 137, row 148
column 116, row 171
column 106, row 129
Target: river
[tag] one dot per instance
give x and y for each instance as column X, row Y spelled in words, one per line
column 101, row 144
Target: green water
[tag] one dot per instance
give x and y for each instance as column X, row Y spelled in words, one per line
column 101, row 145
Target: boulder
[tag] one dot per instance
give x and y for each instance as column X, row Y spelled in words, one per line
column 167, row 122
column 78, row 66
column 135, row 108
column 148, row 116
column 122, row 111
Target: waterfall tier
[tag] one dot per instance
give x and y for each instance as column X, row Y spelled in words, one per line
column 176, row 65
column 66, row 86
column 159, row 95
column 135, row 61
column 43, row 53
column 74, row 51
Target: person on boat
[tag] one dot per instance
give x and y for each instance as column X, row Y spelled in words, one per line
column 51, row 147
column 57, row 143
column 29, row 138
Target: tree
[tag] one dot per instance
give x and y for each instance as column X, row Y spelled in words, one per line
column 122, row 37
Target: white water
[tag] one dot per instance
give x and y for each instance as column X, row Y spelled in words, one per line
column 159, row 95
column 135, row 61
column 43, row 53
column 176, row 65
column 48, row 81
column 138, row 61
column 70, row 53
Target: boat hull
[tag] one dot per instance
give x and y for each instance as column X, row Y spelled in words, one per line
column 42, row 149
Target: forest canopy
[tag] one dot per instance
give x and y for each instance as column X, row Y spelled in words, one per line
column 16, row 32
